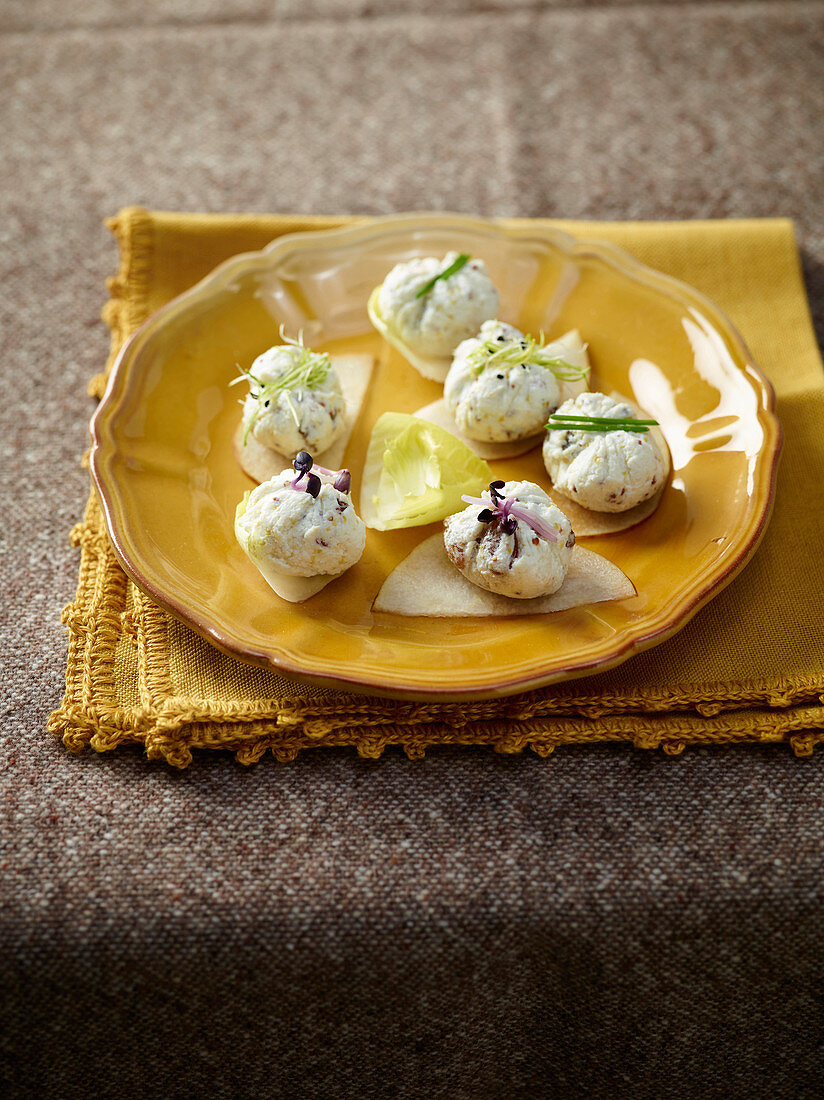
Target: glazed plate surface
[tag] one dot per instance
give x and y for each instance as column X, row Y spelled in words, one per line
column 164, row 468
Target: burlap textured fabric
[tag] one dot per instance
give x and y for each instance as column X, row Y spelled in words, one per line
column 603, row 923
column 747, row 668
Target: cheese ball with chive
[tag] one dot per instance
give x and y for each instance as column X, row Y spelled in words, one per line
column 604, row 471
column 493, row 395
column 454, row 308
column 286, row 417
column 300, row 533
column 519, row 562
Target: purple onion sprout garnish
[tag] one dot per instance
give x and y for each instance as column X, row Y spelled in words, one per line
column 507, row 511
column 343, row 481
column 304, row 464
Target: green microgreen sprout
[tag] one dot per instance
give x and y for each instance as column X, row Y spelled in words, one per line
column 580, row 422
column 308, row 370
column 456, row 265
column 507, row 353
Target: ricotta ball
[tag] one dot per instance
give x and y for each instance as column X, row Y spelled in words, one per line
column 603, row 471
column 453, row 309
column 299, row 534
column 505, row 554
column 492, row 395
column 295, row 401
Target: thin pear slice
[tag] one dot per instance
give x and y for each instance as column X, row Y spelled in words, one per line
column 438, row 413
column 293, row 589
column 426, row 583
column 589, row 524
column 434, row 367
column 573, row 350
column 261, row 462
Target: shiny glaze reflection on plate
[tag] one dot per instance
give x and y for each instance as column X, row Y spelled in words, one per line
column 163, row 464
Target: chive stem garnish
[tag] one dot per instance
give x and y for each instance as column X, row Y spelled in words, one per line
column 580, row 422
column 506, row 354
column 456, row 265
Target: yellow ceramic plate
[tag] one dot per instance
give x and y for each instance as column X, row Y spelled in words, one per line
column 162, row 455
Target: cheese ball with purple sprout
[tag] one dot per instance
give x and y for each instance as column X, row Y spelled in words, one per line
column 512, row 540
column 302, row 523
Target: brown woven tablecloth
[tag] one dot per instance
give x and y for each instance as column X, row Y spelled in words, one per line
column 601, row 923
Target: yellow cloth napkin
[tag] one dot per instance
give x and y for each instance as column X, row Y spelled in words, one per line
column 749, row 667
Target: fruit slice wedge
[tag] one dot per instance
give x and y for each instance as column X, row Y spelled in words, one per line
column 432, row 367
column 571, row 347
column 438, row 413
column 426, row 583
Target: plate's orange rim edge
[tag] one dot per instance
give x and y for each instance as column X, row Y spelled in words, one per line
column 528, row 679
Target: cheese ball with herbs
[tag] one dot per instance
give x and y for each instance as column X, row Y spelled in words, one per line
column 501, row 385
column 602, row 468
column 303, row 522
column 295, row 401
column 512, row 540
column 432, row 304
